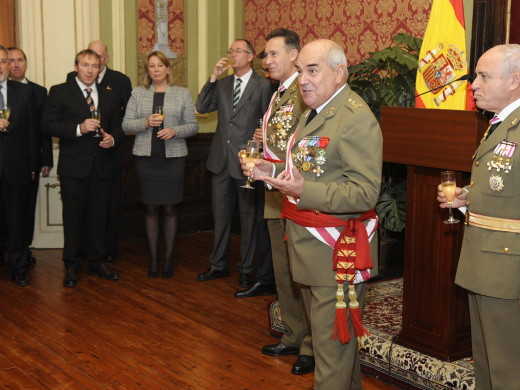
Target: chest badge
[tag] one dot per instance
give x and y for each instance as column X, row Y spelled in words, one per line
column 496, row 183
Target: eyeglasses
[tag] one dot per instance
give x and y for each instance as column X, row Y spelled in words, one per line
column 237, row 51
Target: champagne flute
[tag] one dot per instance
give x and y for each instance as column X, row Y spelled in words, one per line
column 6, row 112
column 96, row 114
column 159, row 111
column 252, row 153
column 449, row 184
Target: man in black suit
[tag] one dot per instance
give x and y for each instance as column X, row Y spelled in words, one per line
column 121, row 86
column 240, row 100
column 85, row 163
column 17, row 69
column 18, row 155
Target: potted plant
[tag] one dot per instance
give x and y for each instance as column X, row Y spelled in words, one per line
column 387, row 78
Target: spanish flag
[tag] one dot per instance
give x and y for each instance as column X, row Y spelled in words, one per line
column 443, row 60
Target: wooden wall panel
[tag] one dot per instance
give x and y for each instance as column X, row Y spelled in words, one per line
column 7, row 24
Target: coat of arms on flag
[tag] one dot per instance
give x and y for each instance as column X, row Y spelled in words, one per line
column 441, row 65
column 442, row 60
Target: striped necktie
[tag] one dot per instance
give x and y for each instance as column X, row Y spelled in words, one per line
column 493, row 125
column 281, row 91
column 90, row 101
column 236, row 93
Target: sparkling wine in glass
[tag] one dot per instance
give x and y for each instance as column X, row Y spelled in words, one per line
column 6, row 112
column 449, row 185
column 96, row 114
column 252, row 153
column 229, row 61
column 159, row 111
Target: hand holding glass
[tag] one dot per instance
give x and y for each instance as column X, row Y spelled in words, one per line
column 6, row 112
column 251, row 154
column 449, row 185
column 96, row 114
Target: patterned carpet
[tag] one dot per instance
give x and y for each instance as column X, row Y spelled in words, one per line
column 382, row 317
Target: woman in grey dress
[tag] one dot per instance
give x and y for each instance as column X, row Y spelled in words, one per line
column 160, row 152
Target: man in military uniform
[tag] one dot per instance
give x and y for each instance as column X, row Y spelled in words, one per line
column 332, row 174
column 489, row 264
column 280, row 122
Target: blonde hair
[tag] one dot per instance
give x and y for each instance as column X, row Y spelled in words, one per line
column 164, row 60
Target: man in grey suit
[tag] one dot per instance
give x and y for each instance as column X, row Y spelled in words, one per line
column 489, row 264
column 240, row 100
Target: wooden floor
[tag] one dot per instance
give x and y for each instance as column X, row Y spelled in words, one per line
column 139, row 333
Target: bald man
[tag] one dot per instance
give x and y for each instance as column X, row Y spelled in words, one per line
column 489, row 264
column 332, row 174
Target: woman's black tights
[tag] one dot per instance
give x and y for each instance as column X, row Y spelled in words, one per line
column 152, row 232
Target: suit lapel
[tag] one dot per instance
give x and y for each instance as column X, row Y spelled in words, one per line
column 77, row 93
column 250, row 87
column 12, row 98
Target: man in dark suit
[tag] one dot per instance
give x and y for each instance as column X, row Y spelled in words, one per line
column 85, row 163
column 18, row 165
column 17, row 69
column 121, row 86
column 240, row 100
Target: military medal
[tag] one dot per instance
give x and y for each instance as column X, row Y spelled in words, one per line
column 496, row 183
column 311, row 154
column 282, row 121
column 502, row 157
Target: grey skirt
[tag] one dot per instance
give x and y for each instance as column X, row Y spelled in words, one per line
column 160, row 180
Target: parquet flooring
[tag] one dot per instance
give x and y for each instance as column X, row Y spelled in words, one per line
column 139, row 333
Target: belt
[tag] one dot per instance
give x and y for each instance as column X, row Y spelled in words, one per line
column 493, row 223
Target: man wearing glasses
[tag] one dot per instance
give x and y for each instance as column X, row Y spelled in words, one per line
column 240, row 99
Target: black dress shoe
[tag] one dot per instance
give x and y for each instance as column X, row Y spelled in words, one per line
column 245, row 280
column 111, row 257
column 212, row 274
column 71, row 278
column 21, row 279
column 104, row 271
column 255, row 290
column 303, row 365
column 279, row 349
